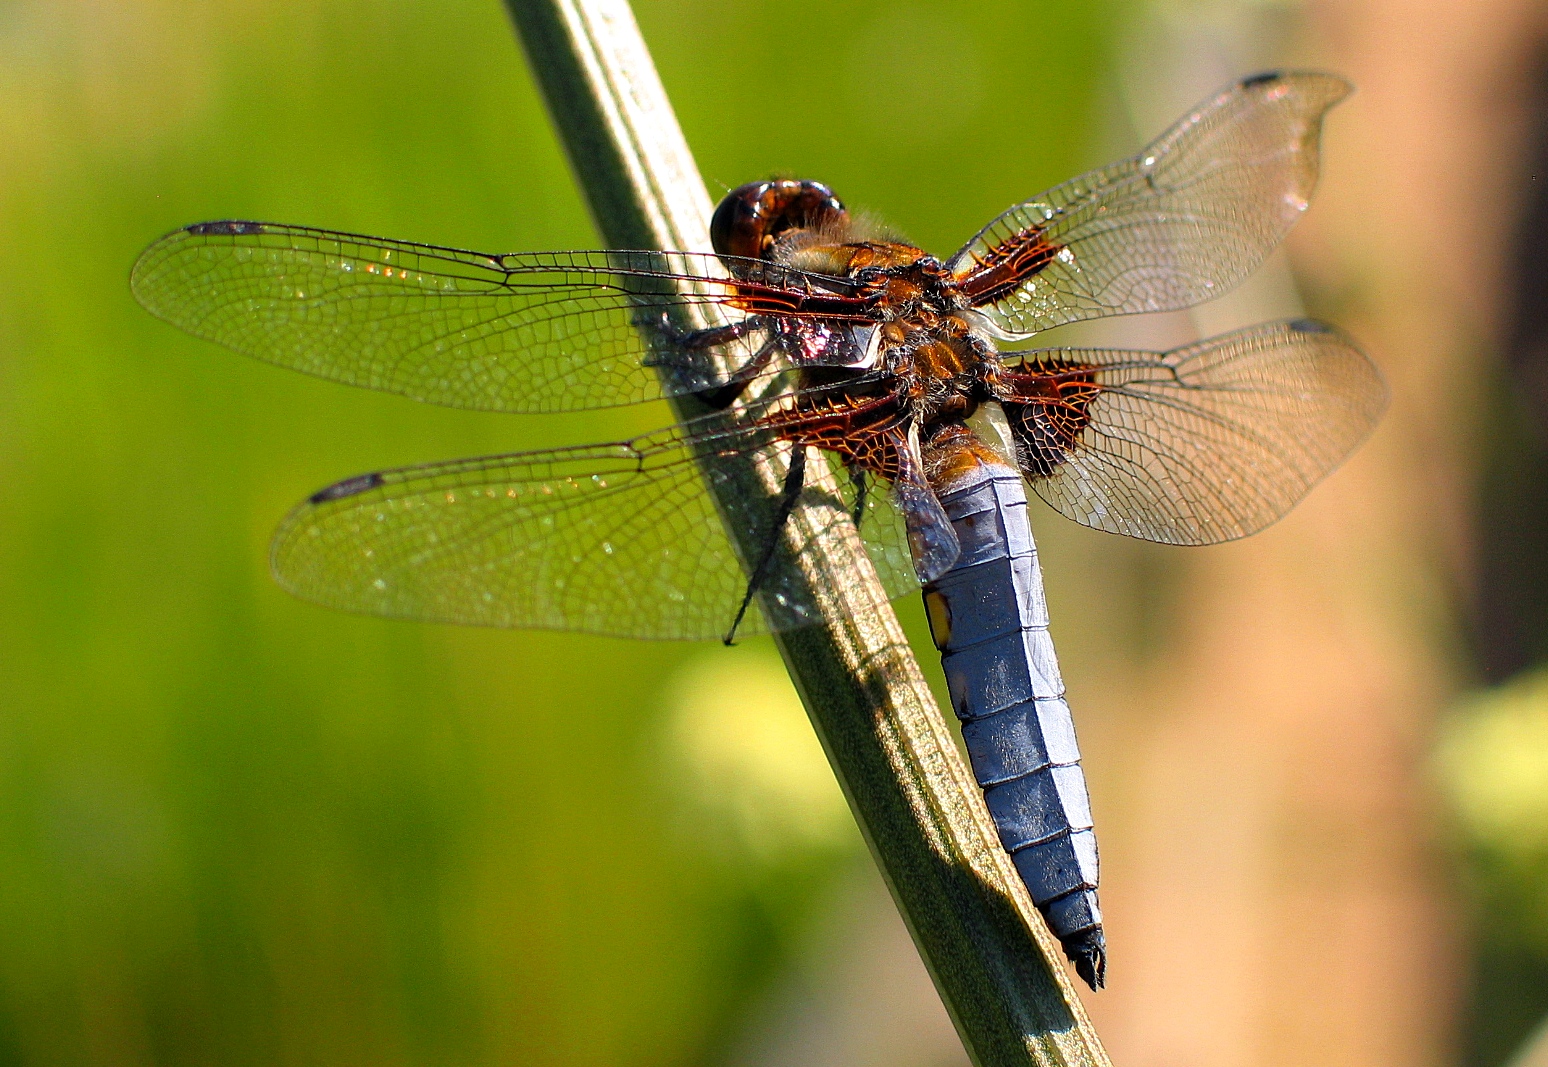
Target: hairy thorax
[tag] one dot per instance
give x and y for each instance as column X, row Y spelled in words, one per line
column 928, row 340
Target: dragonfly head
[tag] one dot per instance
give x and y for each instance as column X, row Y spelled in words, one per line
column 751, row 217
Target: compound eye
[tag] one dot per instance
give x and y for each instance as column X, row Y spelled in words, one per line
column 737, row 228
column 750, row 218
column 809, row 205
column 822, row 204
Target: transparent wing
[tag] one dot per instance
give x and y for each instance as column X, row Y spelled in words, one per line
column 1199, row 445
column 1185, row 220
column 619, row 539
column 532, row 332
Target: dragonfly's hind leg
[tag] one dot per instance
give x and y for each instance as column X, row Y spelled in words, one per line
column 725, row 394
column 795, row 481
column 862, row 484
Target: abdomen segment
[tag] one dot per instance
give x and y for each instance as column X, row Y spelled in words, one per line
column 990, row 621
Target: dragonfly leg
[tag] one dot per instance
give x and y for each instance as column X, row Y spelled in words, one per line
column 712, row 337
column 724, row 395
column 862, row 489
column 795, row 481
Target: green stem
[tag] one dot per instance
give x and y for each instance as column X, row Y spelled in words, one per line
column 997, row 968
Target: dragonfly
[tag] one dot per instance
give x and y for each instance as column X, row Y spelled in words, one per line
column 882, row 391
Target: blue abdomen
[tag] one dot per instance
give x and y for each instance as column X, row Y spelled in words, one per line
column 990, row 621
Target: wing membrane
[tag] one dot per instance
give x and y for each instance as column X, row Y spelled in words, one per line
column 619, row 539
column 1185, row 220
column 530, row 332
column 1214, row 441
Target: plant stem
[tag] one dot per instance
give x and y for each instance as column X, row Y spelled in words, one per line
column 994, row 963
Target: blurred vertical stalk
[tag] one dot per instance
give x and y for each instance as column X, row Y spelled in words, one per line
column 992, row 960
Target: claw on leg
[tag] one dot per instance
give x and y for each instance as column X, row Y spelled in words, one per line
column 722, row 395
column 795, row 481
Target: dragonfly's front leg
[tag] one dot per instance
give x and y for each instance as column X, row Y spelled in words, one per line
column 795, row 481
column 722, row 395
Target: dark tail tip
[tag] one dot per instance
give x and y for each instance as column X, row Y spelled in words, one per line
column 1262, row 79
column 1087, row 949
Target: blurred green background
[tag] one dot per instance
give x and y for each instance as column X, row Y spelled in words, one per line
column 235, row 828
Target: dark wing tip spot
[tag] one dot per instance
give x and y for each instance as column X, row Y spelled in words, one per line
column 1309, row 326
column 348, row 487
column 1262, row 79
column 224, row 228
